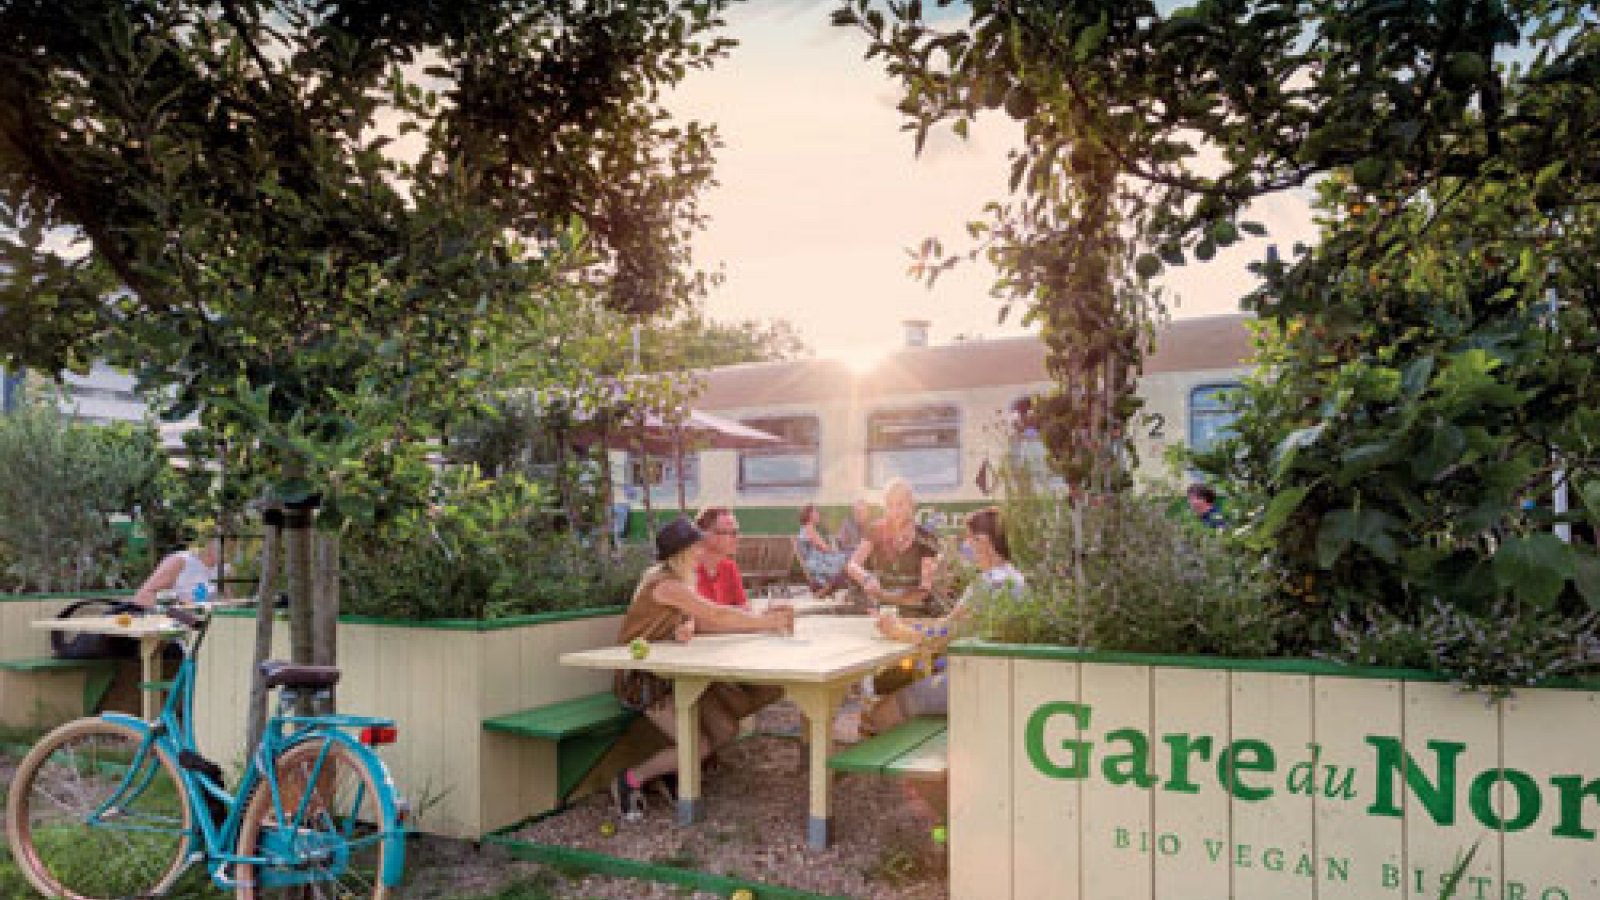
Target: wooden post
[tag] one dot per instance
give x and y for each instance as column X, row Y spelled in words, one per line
column 325, row 605
column 256, row 714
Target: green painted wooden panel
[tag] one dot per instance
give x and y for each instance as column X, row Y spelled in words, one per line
column 879, row 754
column 568, row 718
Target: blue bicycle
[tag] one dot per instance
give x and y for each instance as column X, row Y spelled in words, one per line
column 111, row 806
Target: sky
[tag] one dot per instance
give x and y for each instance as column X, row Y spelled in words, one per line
column 821, row 195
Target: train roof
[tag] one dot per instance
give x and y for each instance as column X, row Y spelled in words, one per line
column 1183, row 345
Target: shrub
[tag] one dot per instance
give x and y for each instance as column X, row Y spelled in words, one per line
column 484, row 550
column 1125, row 573
column 66, row 484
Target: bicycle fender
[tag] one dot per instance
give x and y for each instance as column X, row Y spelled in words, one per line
column 394, row 857
column 127, row 721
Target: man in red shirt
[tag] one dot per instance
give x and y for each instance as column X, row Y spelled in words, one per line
column 717, row 577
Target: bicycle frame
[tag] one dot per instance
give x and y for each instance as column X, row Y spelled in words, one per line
column 173, row 732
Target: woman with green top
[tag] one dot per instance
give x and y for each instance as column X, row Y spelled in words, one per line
column 986, row 538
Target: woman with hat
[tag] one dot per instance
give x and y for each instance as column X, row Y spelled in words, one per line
column 666, row 606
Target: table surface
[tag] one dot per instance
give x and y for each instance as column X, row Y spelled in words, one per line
column 823, row 649
column 138, row 627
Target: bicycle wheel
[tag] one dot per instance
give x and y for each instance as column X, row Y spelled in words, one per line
column 84, row 827
column 321, row 841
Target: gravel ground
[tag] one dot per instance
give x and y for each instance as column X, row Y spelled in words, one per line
column 755, row 828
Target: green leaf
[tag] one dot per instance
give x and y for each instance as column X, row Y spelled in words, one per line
column 1284, row 454
column 1090, row 39
column 1369, row 528
column 1281, row 508
column 1443, row 447
column 1586, row 574
column 1534, row 567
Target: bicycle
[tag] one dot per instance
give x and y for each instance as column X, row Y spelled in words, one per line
column 111, row 807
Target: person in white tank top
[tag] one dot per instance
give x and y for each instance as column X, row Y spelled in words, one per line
column 181, row 572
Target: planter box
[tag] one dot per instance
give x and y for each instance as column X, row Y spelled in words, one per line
column 1077, row 774
column 438, row 681
column 38, row 700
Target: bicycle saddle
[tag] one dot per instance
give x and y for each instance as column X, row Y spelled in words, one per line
column 277, row 673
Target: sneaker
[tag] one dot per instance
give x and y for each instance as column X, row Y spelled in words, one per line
column 629, row 799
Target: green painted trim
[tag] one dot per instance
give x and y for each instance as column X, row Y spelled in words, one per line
column 96, row 685
column 548, row 618
column 73, row 595
column 577, row 756
column 880, row 754
column 564, row 719
column 1290, row 666
column 52, row 664
column 601, row 864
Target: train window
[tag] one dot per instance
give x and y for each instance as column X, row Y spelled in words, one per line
column 921, row 444
column 662, row 474
column 1211, row 414
column 791, row 464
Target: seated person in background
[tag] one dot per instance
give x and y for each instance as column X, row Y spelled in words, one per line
column 930, row 696
column 717, row 576
column 181, row 572
column 855, row 526
column 824, row 565
column 1203, row 501
column 896, row 562
column 665, row 606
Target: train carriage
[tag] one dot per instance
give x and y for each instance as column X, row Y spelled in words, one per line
column 942, row 417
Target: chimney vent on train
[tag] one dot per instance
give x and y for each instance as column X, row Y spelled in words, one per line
column 916, row 332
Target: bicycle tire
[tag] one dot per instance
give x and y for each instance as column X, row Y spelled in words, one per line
column 69, row 775
column 330, row 818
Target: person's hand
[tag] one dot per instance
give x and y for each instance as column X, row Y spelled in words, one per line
column 684, row 632
column 782, row 619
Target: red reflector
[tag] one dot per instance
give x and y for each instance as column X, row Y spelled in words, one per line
column 374, row 735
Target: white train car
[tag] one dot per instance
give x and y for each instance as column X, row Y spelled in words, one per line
column 942, row 416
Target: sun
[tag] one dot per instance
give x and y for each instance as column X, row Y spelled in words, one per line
column 861, row 360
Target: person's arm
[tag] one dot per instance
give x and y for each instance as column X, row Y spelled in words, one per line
column 815, row 538
column 856, row 568
column 710, row 618
column 164, row 577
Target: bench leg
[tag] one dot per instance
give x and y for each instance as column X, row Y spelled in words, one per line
column 818, row 702
column 686, row 701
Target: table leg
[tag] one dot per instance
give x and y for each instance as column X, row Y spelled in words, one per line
column 150, row 674
column 818, row 702
column 686, row 701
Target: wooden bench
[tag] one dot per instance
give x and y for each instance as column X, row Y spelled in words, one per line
column 582, row 729
column 98, row 675
column 916, row 749
column 765, row 559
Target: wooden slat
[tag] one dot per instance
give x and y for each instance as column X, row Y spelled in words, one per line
column 879, row 754
column 567, row 718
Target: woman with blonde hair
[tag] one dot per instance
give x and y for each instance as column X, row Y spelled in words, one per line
column 896, row 561
column 664, row 607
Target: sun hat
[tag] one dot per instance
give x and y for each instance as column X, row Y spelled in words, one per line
column 676, row 536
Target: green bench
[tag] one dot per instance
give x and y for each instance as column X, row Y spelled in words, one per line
column 917, row 749
column 582, row 729
column 98, row 674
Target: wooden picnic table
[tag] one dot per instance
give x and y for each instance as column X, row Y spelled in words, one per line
column 149, row 630
column 814, row 667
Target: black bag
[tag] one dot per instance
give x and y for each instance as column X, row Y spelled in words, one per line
column 75, row 645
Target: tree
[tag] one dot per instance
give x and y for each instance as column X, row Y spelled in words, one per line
column 689, row 342
column 334, row 225
column 1148, row 133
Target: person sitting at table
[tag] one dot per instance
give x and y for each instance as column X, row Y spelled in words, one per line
column 717, row 575
column 930, row 696
column 855, row 526
column 666, row 606
column 824, row 564
column 896, row 561
column 181, row 572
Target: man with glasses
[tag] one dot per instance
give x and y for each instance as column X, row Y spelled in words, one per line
column 718, row 578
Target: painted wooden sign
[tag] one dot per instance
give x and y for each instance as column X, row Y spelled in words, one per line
column 1091, row 775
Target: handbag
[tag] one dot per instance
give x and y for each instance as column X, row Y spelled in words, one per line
column 82, row 645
